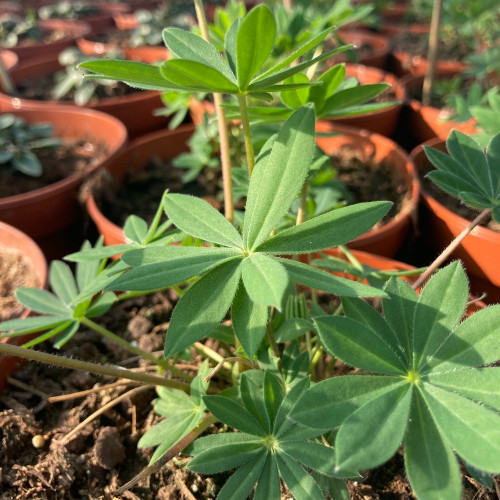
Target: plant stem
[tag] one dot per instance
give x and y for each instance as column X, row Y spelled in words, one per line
column 210, row 353
column 173, row 452
column 76, row 364
column 301, row 212
column 272, row 341
column 242, row 101
column 450, row 248
column 225, row 157
column 6, row 83
column 127, row 345
column 432, row 54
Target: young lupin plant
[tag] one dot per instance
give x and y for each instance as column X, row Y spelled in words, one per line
column 428, row 386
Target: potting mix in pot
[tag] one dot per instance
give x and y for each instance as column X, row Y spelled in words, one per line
column 217, row 352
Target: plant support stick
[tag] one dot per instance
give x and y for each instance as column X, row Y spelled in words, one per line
column 225, row 157
column 433, row 52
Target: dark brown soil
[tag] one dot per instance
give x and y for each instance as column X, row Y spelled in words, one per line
column 141, row 192
column 452, row 203
column 368, row 180
column 15, row 271
column 72, row 157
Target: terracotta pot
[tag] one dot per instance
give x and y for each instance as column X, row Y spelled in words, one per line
column 52, row 208
column 125, row 21
column 479, row 251
column 387, row 239
column 427, row 122
column 385, row 120
column 14, row 239
column 71, row 31
column 134, row 110
column 11, row 8
column 163, row 144
column 378, row 53
column 9, row 59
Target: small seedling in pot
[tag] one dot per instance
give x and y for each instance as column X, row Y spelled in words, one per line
column 19, row 142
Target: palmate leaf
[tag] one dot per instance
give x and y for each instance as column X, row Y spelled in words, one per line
column 469, row 173
column 442, row 401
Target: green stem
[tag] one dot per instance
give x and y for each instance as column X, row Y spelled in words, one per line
column 76, row 364
column 242, row 101
column 272, row 341
column 126, row 345
column 210, row 353
column 316, row 356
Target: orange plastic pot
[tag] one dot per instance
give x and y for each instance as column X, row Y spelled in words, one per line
column 134, row 110
column 387, row 239
column 427, row 122
column 71, row 30
column 46, row 210
column 384, row 121
column 479, row 251
column 163, row 144
column 14, row 239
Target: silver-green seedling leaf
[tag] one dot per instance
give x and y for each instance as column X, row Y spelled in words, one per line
column 254, row 43
column 198, row 218
column 277, row 178
column 62, row 281
column 41, row 301
column 299, row 482
column 186, row 327
column 327, row 230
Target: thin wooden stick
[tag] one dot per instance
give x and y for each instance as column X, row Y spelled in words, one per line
column 432, row 54
column 104, row 409
column 173, row 452
column 81, row 394
column 449, row 249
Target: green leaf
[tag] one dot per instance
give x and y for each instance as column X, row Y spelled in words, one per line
column 254, row 43
column 265, row 280
column 467, row 152
column 59, row 328
column 358, row 345
column 172, row 402
column 87, row 271
column 95, row 254
column 240, row 484
column 273, row 395
column 62, row 281
column 27, row 163
column 301, row 485
column 471, row 429
column 253, row 401
column 186, row 45
column 136, row 74
column 399, row 310
column 249, row 321
column 232, row 414
column 327, row 230
column 230, row 44
column 352, row 96
column 192, row 75
column 328, row 403
column 479, row 384
column 41, row 301
column 292, row 328
column 439, row 309
column 135, row 228
column 332, row 78
column 475, row 342
column 268, row 487
column 173, row 265
column 65, row 334
column 224, row 451
column 101, row 305
column 198, row 218
column 168, row 430
column 313, row 455
column 276, row 179
column 29, row 325
column 296, row 98
column 431, row 466
column 186, row 327
column 281, row 423
column 322, row 280
column 373, row 433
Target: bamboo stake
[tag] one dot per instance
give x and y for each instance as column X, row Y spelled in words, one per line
column 432, row 54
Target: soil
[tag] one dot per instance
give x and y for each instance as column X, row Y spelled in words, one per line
column 141, row 192
column 40, row 89
column 70, row 158
column 114, row 37
column 368, row 180
column 15, row 271
column 37, row 464
column 452, row 203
